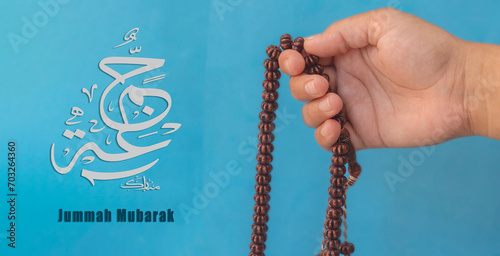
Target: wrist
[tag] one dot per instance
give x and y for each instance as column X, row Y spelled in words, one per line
column 482, row 89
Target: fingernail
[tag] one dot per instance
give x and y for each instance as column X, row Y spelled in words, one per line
column 287, row 64
column 325, row 105
column 324, row 130
column 310, row 88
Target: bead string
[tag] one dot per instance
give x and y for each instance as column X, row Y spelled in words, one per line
column 343, row 153
column 345, row 217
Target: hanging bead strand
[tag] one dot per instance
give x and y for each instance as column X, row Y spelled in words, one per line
column 343, row 153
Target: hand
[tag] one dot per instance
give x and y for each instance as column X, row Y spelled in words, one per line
column 401, row 80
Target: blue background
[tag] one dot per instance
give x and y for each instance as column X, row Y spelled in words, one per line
column 449, row 204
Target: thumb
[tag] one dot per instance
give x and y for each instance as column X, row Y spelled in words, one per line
column 352, row 33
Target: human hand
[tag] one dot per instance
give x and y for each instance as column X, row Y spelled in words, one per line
column 401, row 80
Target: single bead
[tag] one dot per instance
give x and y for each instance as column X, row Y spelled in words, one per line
column 338, row 181
column 273, row 52
column 260, row 219
column 342, row 249
column 262, row 189
column 271, row 85
column 336, row 192
column 298, row 44
column 269, row 96
column 346, row 248
column 264, row 158
column 269, row 106
column 261, row 199
column 354, row 169
column 332, row 244
column 261, row 209
column 286, row 42
column 267, row 117
column 311, row 60
column 271, row 64
column 332, row 252
column 264, row 169
column 316, row 69
column 332, row 233
column 272, row 75
column 266, row 138
column 259, row 229
column 265, row 148
column 333, row 223
column 259, row 239
column 334, row 213
column 257, row 248
column 263, row 179
column 336, row 202
column 350, row 247
column 340, row 149
column 337, row 171
column 339, row 160
column 256, row 254
column 266, row 127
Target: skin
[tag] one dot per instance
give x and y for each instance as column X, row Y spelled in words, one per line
column 402, row 81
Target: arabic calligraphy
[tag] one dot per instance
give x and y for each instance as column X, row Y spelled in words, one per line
column 140, row 184
column 129, row 37
column 108, row 127
column 75, row 111
column 91, row 93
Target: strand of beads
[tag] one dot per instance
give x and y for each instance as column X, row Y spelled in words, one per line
column 337, row 191
column 265, row 147
column 343, row 153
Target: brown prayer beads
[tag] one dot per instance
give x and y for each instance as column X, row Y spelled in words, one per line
column 343, row 153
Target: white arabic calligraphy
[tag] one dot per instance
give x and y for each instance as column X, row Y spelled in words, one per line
column 129, row 37
column 91, row 94
column 136, row 185
column 75, row 111
column 136, row 96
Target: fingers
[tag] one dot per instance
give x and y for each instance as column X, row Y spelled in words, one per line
column 352, row 33
column 307, row 87
column 291, row 62
column 327, row 133
column 317, row 111
column 355, row 32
